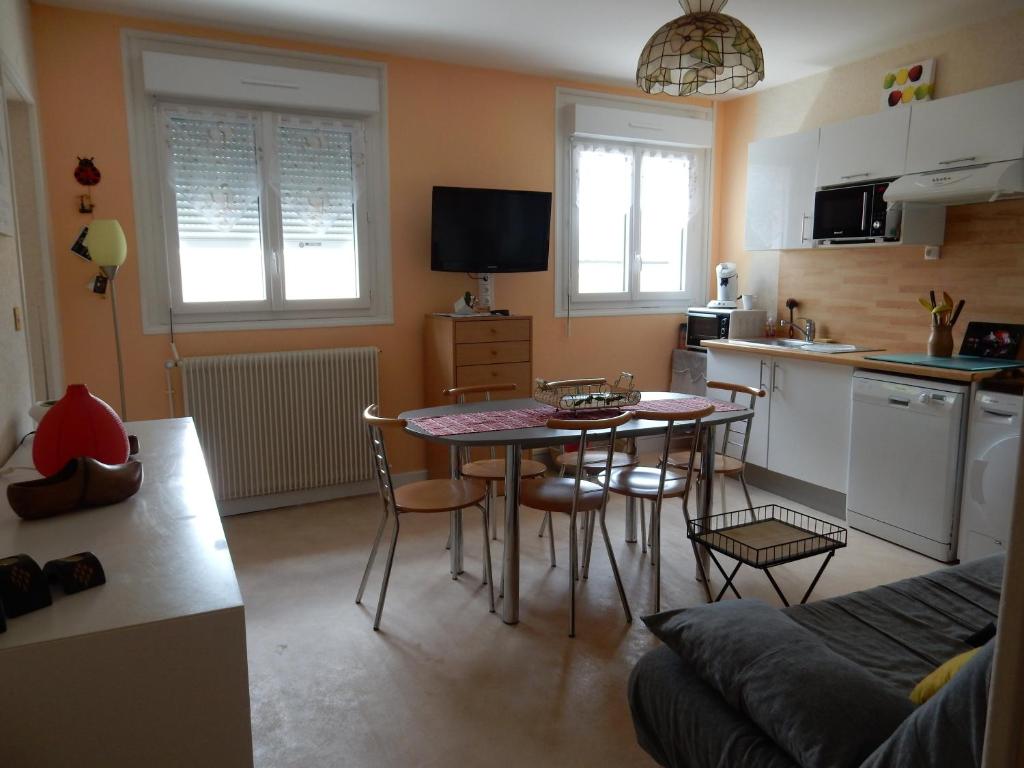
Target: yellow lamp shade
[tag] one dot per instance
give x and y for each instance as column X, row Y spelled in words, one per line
column 106, row 243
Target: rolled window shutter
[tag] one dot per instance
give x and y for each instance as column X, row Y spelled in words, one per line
column 317, row 179
column 214, row 173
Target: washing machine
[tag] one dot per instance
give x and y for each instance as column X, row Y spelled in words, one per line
column 990, row 473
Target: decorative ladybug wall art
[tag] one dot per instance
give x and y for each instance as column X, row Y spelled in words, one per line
column 88, row 175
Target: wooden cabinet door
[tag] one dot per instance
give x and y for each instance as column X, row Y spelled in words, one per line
column 865, row 148
column 780, row 191
column 752, row 371
column 809, row 429
column 983, row 126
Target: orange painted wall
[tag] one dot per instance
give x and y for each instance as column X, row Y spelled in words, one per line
column 448, row 125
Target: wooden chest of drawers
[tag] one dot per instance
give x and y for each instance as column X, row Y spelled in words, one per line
column 475, row 349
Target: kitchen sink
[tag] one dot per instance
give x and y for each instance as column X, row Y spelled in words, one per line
column 804, row 346
column 788, row 343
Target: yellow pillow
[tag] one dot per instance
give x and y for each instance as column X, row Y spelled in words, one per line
column 933, row 683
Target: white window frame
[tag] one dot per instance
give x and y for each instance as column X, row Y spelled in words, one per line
column 156, row 216
column 568, row 301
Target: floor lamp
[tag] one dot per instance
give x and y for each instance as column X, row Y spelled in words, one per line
column 102, row 242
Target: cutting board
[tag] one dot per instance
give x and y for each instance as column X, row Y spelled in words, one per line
column 954, row 363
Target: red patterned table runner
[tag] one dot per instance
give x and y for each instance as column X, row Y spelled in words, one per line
column 525, row 418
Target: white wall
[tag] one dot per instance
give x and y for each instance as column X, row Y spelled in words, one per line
column 16, row 45
column 15, row 382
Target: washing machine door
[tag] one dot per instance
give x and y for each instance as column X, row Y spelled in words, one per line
column 991, row 474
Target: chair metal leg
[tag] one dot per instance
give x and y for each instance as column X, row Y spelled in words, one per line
column 492, row 492
column 702, row 572
column 551, row 536
column 588, row 541
column 545, row 523
column 573, row 553
column 643, row 528
column 485, row 510
column 387, row 576
column 746, row 492
column 373, row 555
column 488, row 572
column 721, row 485
column 656, row 552
column 615, row 569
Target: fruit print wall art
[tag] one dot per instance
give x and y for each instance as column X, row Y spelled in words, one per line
column 907, row 84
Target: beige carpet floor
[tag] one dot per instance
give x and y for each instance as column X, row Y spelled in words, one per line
column 445, row 682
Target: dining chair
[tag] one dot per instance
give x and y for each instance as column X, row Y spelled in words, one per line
column 491, row 471
column 574, row 495
column 423, row 497
column 730, row 461
column 593, row 459
column 655, row 484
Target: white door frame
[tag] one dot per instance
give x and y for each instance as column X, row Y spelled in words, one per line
column 12, row 88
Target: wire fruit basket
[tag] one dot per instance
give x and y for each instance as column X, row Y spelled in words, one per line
column 578, row 395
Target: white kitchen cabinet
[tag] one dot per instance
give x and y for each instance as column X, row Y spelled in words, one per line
column 780, row 191
column 983, row 126
column 752, row 371
column 801, row 429
column 809, row 427
column 865, row 148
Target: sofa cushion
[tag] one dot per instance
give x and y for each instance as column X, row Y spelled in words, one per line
column 819, row 707
column 948, row 729
column 937, row 678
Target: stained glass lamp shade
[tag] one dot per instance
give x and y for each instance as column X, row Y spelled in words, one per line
column 703, row 52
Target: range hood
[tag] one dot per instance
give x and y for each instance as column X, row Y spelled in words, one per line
column 958, row 186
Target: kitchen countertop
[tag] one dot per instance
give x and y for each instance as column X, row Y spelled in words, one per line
column 853, row 359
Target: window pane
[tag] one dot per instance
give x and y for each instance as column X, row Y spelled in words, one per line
column 604, row 185
column 665, row 192
column 217, row 199
column 317, row 209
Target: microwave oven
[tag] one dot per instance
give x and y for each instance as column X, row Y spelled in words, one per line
column 703, row 323
column 856, row 214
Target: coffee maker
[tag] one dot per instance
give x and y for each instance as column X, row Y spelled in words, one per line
column 728, row 286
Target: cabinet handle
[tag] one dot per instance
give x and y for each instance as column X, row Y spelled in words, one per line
column 855, row 176
column 958, row 160
column 775, row 376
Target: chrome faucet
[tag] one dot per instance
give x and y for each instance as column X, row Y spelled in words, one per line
column 807, row 330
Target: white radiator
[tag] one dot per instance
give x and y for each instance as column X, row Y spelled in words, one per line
column 281, row 422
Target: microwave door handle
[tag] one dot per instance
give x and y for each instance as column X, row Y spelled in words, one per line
column 864, row 214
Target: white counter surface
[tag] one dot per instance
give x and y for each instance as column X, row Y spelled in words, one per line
column 163, row 550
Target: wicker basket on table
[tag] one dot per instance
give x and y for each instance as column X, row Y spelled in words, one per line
column 581, row 395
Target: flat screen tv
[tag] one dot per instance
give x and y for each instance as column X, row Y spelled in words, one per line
column 489, row 230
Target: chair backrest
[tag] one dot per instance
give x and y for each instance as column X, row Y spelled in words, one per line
column 459, row 393
column 732, row 436
column 375, row 426
column 692, row 415
column 584, row 426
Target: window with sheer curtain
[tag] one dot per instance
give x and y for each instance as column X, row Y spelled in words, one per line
column 637, row 224
column 262, row 211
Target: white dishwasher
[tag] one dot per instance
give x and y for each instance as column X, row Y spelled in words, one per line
column 906, row 449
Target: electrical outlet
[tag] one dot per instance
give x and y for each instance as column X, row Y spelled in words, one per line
column 17, row 318
column 932, row 253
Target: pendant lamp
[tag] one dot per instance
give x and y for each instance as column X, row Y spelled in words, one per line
column 703, row 52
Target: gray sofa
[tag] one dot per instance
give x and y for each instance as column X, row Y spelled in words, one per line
column 823, row 685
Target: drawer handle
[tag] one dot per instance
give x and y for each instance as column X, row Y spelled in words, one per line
column 958, row 160
column 854, row 176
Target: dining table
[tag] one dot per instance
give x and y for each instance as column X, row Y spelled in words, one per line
column 519, row 438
